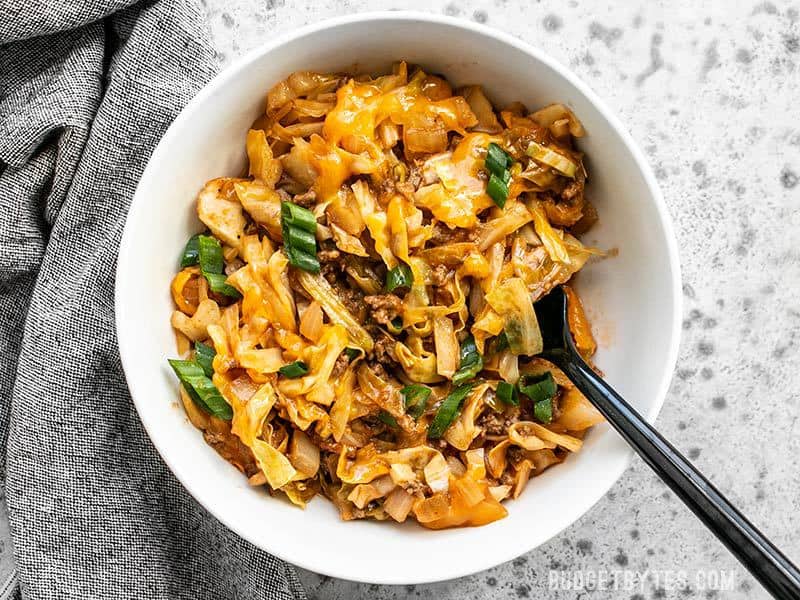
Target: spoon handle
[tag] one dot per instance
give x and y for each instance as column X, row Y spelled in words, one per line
column 767, row 564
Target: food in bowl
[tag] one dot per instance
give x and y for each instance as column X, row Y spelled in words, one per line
column 357, row 320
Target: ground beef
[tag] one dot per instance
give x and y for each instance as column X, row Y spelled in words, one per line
column 329, row 256
column 307, row 199
column 331, row 264
column 233, row 266
column 383, row 352
column 384, row 307
column 341, row 364
column 330, row 271
column 514, row 455
column 415, row 487
column 572, row 190
column 231, row 448
column 326, row 444
column 495, row 423
column 352, row 299
column 557, row 406
column 440, row 274
column 378, row 369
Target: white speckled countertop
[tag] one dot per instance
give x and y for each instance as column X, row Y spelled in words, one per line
column 711, row 92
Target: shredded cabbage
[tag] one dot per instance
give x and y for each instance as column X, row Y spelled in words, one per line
column 511, row 301
column 324, row 370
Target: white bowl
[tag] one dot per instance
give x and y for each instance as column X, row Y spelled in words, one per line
column 633, row 299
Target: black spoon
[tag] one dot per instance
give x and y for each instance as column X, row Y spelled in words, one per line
column 775, row 572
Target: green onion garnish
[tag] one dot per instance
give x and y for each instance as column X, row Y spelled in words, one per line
column 216, row 283
column 471, row 361
column 191, row 252
column 201, row 389
column 209, row 252
column 507, row 393
column 497, row 156
column 497, row 190
column 299, row 226
column 448, row 410
column 388, row 419
column 543, row 410
column 301, row 240
column 415, row 398
column 302, row 260
column 538, row 387
column 497, row 162
column 399, row 277
column 541, row 389
column 294, row 215
column 204, row 356
column 495, row 167
column 293, row 370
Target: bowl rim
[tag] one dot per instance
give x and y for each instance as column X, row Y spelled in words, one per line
column 126, row 253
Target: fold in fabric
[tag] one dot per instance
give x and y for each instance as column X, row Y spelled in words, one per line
column 86, row 92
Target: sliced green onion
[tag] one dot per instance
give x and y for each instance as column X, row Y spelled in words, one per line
column 538, row 387
column 448, row 411
column 211, row 265
column 204, row 388
column 496, row 154
column 497, row 163
column 507, row 393
column 399, row 277
column 189, row 368
column 495, row 167
column 301, row 240
column 185, row 368
column 191, row 252
column 302, row 260
column 388, row 419
column 298, row 226
column 201, row 389
column 471, row 361
column 497, row 189
column 210, row 252
column 216, row 283
column 415, row 398
column 551, row 158
column 293, row 215
column 293, row 370
column 543, row 410
column 204, row 356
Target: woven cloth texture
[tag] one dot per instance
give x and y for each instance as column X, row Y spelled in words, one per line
column 86, row 91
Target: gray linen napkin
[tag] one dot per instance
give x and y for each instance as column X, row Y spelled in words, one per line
column 86, row 91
